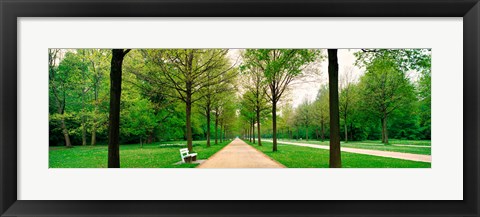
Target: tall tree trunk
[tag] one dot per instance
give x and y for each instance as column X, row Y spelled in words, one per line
column 248, row 133
column 94, row 118
column 222, row 129
column 61, row 111
column 253, row 131
column 114, row 119
column 258, row 128
column 188, row 111
column 84, row 129
column 316, row 132
column 323, row 130
column 346, row 130
column 216, row 127
column 335, row 154
column 384, row 129
column 208, row 125
column 93, row 140
column 274, row 125
column 68, row 144
column 94, row 135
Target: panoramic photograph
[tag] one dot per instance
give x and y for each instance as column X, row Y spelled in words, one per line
column 239, row 108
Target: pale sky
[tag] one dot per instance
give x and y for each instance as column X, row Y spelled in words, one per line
column 307, row 90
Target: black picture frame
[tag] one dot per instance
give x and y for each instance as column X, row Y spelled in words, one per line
column 10, row 10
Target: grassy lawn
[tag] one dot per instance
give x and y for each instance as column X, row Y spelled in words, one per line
column 163, row 155
column 304, row 157
column 395, row 145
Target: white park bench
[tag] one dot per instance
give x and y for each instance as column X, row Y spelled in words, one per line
column 185, row 155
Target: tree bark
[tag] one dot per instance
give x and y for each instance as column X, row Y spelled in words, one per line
column 84, row 129
column 335, row 154
column 274, row 125
column 93, row 140
column 253, row 131
column 346, row 130
column 114, row 119
column 323, row 130
column 68, row 144
column 188, row 111
column 258, row 128
column 216, row 127
column 384, row 129
column 208, row 125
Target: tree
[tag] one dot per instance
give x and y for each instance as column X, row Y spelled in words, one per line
column 347, row 97
column 321, row 108
column 385, row 88
column 256, row 84
column 98, row 60
column 214, row 94
column 335, row 152
column 305, row 116
column 187, row 72
column 288, row 118
column 280, row 67
column 114, row 118
column 58, row 80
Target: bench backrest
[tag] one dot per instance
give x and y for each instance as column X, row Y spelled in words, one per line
column 183, row 153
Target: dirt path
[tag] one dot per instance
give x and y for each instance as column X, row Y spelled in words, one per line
column 239, row 154
column 390, row 154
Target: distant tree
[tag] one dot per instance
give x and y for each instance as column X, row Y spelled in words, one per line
column 280, row 67
column 58, row 82
column 347, row 97
column 305, row 116
column 385, row 88
column 255, row 82
column 321, row 109
column 214, row 94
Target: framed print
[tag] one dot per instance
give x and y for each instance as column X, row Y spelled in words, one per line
column 253, row 108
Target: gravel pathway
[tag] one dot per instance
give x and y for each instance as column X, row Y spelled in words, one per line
column 390, row 154
column 239, row 154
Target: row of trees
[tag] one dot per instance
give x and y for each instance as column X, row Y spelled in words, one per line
column 131, row 96
column 387, row 100
column 124, row 95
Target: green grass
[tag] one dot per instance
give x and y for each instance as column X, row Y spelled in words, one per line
column 377, row 145
column 304, row 157
column 163, row 155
